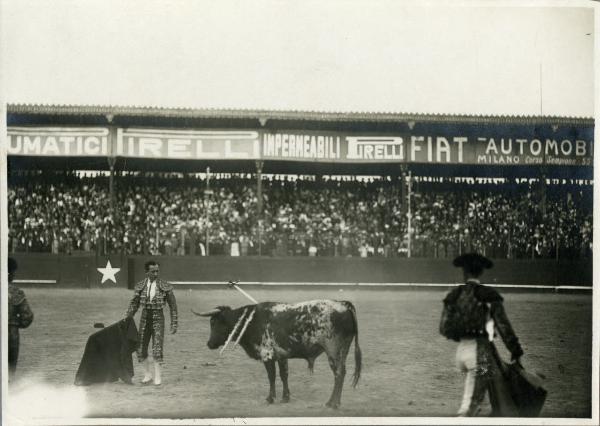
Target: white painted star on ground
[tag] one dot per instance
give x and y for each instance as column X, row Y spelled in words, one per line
column 108, row 272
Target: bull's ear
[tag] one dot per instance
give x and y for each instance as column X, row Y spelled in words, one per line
column 207, row 313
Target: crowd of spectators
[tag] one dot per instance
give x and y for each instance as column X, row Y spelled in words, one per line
column 68, row 213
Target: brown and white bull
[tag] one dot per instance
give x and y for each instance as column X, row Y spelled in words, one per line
column 279, row 331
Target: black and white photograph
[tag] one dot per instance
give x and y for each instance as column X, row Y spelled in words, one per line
column 319, row 212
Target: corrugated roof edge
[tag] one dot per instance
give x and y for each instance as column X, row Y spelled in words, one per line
column 150, row 111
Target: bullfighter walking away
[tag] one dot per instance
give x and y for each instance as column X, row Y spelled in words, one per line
column 472, row 313
column 19, row 316
column 151, row 294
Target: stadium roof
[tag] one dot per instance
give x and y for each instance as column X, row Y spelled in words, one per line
column 208, row 113
column 44, row 115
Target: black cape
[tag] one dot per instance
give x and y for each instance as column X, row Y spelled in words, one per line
column 522, row 389
column 107, row 354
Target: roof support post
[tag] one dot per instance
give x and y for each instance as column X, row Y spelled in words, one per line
column 111, row 185
column 259, row 203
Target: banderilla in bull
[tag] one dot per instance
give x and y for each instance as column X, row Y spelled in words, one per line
column 244, row 328
column 237, row 325
column 248, row 318
column 233, row 284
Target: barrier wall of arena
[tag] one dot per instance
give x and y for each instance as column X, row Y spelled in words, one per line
column 81, row 270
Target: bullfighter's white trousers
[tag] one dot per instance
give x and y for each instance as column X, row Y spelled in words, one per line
column 466, row 361
column 476, row 359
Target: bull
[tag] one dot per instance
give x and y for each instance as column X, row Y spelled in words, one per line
column 279, row 331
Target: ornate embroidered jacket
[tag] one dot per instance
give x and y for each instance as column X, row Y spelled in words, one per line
column 490, row 297
column 164, row 294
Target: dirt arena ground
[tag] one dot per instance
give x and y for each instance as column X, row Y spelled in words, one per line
column 408, row 368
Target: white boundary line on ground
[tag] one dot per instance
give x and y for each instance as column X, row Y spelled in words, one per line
column 35, row 281
column 341, row 284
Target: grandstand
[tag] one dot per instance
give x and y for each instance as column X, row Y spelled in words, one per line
column 106, row 182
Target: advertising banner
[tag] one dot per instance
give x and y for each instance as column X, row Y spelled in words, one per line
column 449, row 144
column 448, row 148
column 187, row 144
column 58, row 141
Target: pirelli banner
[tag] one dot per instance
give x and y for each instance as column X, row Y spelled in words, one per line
column 487, row 145
column 188, row 144
column 132, row 142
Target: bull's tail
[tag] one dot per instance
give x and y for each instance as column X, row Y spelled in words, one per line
column 357, row 351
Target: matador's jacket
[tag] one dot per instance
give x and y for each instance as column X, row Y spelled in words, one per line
column 19, row 316
column 494, row 301
column 152, row 320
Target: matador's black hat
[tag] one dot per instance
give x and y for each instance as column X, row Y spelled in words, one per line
column 473, row 263
column 12, row 265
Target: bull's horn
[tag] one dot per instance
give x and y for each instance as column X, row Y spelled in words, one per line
column 207, row 313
